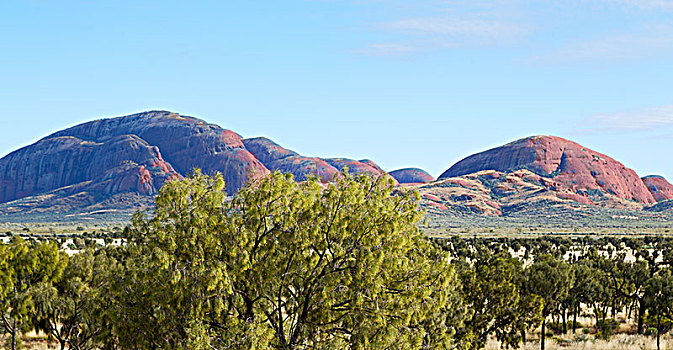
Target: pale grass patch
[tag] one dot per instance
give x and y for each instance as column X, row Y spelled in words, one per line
column 617, row 342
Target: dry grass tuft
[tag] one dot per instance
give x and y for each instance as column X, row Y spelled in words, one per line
column 617, row 342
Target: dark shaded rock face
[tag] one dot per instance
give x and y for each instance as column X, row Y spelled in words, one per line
column 660, row 188
column 569, row 164
column 364, row 166
column 103, row 159
column 122, row 162
column 411, row 175
column 277, row 158
column 185, row 142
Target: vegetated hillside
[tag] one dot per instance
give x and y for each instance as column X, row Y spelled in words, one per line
column 563, row 164
column 119, row 163
column 545, row 179
column 494, row 198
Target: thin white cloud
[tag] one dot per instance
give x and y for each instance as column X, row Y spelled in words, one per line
column 640, row 119
column 433, row 33
column 649, row 41
column 432, row 25
column 645, row 4
column 455, row 27
column 387, row 49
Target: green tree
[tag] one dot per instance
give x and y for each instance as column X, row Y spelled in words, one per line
column 25, row 266
column 586, row 283
column 549, row 278
column 659, row 301
column 495, row 304
column 73, row 310
column 284, row 265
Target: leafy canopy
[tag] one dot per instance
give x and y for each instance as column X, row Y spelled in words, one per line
column 284, row 265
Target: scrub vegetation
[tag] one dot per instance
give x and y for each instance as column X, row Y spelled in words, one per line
column 345, row 265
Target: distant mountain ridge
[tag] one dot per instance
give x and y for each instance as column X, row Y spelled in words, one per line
column 545, row 175
column 122, row 162
column 92, row 162
column 569, row 164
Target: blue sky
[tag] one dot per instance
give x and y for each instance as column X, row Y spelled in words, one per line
column 405, row 83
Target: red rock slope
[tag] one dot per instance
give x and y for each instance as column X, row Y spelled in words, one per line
column 137, row 154
column 411, row 176
column 659, row 187
column 567, row 164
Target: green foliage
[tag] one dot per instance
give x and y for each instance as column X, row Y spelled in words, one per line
column 284, row 265
column 73, row 310
column 292, row 265
column 665, row 324
column 496, row 306
column 549, row 278
column 659, row 300
column 24, row 266
column 606, row 328
column 558, row 327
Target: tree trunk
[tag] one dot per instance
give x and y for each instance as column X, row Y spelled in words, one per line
column 629, row 310
column 565, row 323
column 658, row 325
column 14, row 334
column 542, row 335
column 614, row 309
column 575, row 319
column 596, row 314
column 641, row 315
column 523, row 338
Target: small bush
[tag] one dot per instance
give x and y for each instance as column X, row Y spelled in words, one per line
column 577, row 325
column 606, row 328
column 557, row 327
column 79, row 243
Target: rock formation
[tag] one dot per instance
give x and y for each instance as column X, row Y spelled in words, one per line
column 660, row 188
column 562, row 163
column 96, row 161
column 411, row 175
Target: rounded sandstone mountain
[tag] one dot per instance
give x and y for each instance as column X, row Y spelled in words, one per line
column 659, row 187
column 568, row 163
column 411, row 175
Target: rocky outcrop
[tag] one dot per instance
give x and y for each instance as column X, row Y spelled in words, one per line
column 277, row 158
column 411, row 176
column 660, row 188
column 124, row 162
column 126, row 159
column 364, row 166
column 185, row 142
column 135, row 154
column 516, row 193
column 570, row 165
